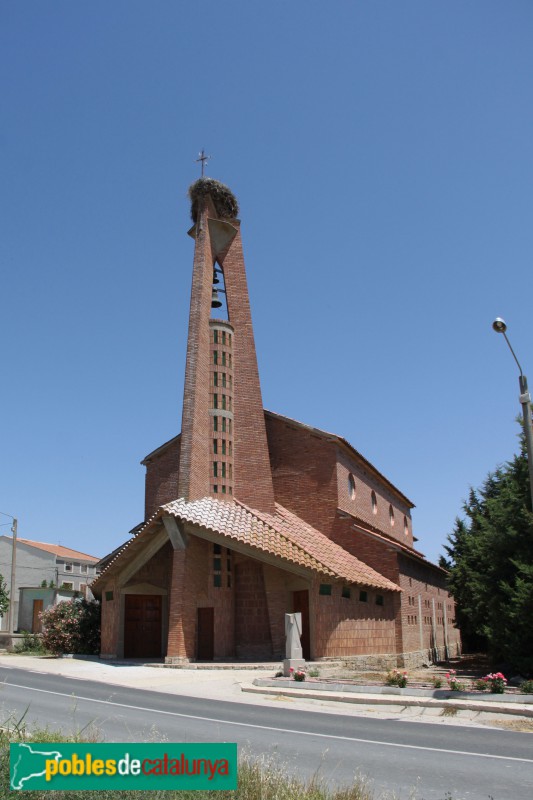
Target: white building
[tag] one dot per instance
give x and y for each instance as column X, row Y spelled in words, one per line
column 42, row 565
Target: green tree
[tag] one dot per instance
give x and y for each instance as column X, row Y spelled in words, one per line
column 490, row 558
column 4, row 596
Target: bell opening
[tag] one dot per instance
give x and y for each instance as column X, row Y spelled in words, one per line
column 219, row 305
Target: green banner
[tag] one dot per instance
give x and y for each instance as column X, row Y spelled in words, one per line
column 79, row 767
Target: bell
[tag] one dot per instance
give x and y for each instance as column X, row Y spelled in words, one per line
column 215, row 277
column 215, row 302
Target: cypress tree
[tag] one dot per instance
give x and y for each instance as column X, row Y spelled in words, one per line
column 490, row 558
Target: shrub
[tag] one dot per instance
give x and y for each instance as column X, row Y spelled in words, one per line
column 298, row 675
column 526, row 687
column 496, row 682
column 4, row 596
column 72, row 626
column 453, row 683
column 480, row 685
column 396, row 678
column 30, row 643
column 436, row 681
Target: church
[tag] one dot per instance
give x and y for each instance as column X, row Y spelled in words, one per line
column 250, row 515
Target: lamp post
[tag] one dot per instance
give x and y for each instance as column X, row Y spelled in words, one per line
column 525, row 400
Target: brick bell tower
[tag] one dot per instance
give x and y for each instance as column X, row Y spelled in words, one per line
column 224, row 452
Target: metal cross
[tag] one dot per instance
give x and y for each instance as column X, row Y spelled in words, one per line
column 203, row 158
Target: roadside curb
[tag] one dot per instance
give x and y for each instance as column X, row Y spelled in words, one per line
column 514, row 709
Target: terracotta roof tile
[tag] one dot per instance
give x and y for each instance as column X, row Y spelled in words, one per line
column 59, row 550
column 282, row 534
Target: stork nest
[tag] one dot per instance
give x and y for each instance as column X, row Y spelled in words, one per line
column 225, row 202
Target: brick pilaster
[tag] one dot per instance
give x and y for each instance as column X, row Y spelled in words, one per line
column 193, row 482
column 177, row 644
column 253, row 477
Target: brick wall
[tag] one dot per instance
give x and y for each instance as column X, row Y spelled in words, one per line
column 363, row 495
column 371, row 551
column 189, row 588
column 221, row 410
column 253, row 479
column 303, row 472
column 161, row 480
column 252, row 482
column 428, row 609
column 278, row 602
column 222, row 599
column 252, row 627
column 350, row 626
column 110, row 620
column 194, row 474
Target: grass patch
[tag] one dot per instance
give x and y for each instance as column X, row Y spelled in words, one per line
column 258, row 780
column 31, row 644
column 519, row 725
column 449, row 711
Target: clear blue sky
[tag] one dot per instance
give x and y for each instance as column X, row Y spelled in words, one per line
column 382, row 156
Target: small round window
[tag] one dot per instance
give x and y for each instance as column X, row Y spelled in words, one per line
column 351, row 485
column 374, row 503
column 391, row 515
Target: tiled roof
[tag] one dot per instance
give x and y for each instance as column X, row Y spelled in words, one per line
column 283, row 535
column 59, row 550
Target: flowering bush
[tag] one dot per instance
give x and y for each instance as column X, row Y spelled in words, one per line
column 298, row 675
column 496, row 682
column 453, row 683
column 436, row 681
column 396, row 678
column 480, row 685
column 72, row 626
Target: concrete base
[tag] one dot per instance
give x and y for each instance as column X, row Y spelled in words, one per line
column 9, row 640
column 388, row 661
column 176, row 660
column 292, row 663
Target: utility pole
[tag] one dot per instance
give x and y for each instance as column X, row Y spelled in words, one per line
column 13, row 576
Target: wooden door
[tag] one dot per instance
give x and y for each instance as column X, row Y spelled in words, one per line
column 206, row 634
column 36, row 625
column 142, row 626
column 300, row 602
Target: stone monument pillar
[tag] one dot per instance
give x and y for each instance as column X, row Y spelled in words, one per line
column 293, row 648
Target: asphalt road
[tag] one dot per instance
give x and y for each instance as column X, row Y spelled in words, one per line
column 468, row 763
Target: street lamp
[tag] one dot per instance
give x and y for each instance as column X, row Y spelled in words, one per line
column 525, row 400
